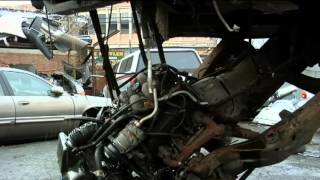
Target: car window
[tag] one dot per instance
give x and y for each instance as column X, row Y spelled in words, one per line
column 182, row 60
column 1, row 91
column 115, row 67
column 125, row 65
column 24, row 84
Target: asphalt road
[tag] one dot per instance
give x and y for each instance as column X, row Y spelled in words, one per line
column 32, row 161
column 296, row 167
column 37, row 161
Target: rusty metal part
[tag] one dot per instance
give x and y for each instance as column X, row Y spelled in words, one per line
column 155, row 109
column 270, row 147
column 148, row 104
column 212, row 130
column 226, row 50
column 229, row 93
column 165, row 155
column 243, row 133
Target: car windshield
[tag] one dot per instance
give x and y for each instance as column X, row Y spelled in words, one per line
column 182, row 60
column 125, row 65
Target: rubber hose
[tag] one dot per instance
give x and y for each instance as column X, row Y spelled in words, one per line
column 80, row 136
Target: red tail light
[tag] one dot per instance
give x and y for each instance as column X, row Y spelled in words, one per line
column 304, row 94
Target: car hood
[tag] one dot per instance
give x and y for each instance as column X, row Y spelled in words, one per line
column 101, row 101
column 83, row 103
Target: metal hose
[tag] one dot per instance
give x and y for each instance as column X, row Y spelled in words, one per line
column 155, row 109
column 194, row 99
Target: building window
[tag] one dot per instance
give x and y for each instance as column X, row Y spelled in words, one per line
column 103, row 23
column 124, row 20
column 113, row 23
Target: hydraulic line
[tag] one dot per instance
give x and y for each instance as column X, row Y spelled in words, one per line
column 154, row 112
column 194, row 99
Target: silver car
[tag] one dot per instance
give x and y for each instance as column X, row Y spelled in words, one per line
column 30, row 108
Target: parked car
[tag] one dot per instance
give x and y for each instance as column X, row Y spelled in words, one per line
column 68, row 83
column 288, row 97
column 184, row 59
column 62, row 79
column 32, row 108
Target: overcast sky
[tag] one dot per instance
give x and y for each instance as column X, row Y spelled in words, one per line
column 13, row 3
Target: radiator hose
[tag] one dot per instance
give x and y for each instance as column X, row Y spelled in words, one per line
column 80, row 136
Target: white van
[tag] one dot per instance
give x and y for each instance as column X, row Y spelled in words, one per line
column 184, row 59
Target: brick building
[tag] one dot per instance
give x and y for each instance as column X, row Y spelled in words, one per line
column 26, row 56
column 126, row 40
column 9, row 56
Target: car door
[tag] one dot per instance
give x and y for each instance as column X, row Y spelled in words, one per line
column 7, row 111
column 38, row 114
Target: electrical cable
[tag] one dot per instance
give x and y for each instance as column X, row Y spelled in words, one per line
column 136, row 23
column 132, row 77
column 104, row 51
column 224, row 22
column 109, row 22
column 183, row 116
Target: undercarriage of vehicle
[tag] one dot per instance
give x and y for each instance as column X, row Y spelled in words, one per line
column 169, row 125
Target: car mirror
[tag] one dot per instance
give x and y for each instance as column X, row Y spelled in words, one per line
column 56, row 91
